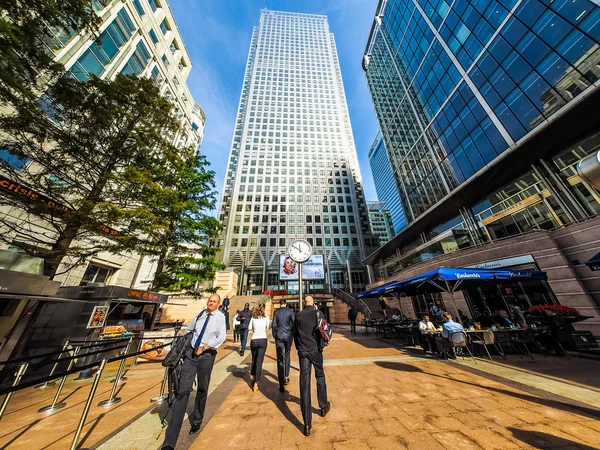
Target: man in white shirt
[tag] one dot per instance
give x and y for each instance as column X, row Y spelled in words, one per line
column 209, row 332
column 427, row 337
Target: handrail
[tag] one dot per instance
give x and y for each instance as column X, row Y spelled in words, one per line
column 43, row 355
column 4, row 391
column 354, row 302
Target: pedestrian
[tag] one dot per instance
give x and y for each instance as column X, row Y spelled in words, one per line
column 198, row 359
column 352, row 318
column 283, row 325
column 226, row 303
column 236, row 326
column 244, row 317
column 259, row 324
column 310, row 353
column 382, row 303
column 226, row 314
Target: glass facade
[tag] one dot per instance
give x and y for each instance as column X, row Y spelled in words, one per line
column 138, row 61
column 380, row 220
column 293, row 169
column 456, row 84
column 385, row 185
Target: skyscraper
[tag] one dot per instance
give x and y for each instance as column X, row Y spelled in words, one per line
column 380, row 220
column 486, row 109
column 385, row 185
column 293, row 170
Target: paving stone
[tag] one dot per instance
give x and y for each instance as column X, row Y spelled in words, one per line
column 453, row 440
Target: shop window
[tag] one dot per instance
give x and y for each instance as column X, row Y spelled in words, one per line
column 96, row 275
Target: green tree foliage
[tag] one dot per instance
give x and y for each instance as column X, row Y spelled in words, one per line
column 89, row 170
column 186, row 256
column 27, row 30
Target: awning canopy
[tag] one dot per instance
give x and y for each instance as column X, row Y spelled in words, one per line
column 594, row 263
column 447, row 279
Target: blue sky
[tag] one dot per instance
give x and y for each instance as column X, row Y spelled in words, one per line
column 217, row 36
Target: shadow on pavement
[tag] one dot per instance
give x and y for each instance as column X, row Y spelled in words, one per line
column 538, row 439
column 25, row 430
column 590, row 412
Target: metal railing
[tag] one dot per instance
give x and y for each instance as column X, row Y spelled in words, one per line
column 358, row 304
column 25, row 362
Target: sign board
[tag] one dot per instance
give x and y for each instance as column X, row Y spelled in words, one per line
column 98, row 317
column 313, row 269
column 153, row 339
column 111, row 292
column 500, row 263
column 20, row 283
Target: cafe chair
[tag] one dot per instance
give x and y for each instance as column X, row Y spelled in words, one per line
column 487, row 338
column 563, row 336
column 503, row 340
column 524, row 339
column 459, row 340
column 528, row 337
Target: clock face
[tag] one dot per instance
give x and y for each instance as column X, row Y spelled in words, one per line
column 300, row 250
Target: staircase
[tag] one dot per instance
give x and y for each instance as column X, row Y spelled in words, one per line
column 359, row 305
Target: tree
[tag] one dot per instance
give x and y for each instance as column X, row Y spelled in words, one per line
column 86, row 173
column 186, row 257
column 27, row 30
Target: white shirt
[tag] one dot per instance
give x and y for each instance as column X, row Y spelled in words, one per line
column 259, row 327
column 215, row 332
column 236, row 320
column 426, row 326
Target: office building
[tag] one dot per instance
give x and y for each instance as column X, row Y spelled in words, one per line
column 293, row 170
column 485, row 109
column 385, row 184
column 380, row 220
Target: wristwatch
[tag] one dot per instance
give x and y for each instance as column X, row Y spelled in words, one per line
column 202, row 348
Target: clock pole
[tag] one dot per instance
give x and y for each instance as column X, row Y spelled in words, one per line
column 300, row 285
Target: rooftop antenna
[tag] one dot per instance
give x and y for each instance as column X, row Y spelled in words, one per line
column 265, row 5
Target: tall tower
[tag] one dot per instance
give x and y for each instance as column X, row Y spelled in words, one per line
column 293, row 170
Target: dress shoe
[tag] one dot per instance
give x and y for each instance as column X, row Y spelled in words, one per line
column 195, row 427
column 307, row 430
column 325, row 410
column 281, row 389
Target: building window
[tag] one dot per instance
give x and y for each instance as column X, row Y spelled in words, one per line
column 96, row 275
column 153, row 36
column 105, row 48
column 13, row 161
column 154, row 4
column 138, row 6
column 164, row 27
column 138, row 61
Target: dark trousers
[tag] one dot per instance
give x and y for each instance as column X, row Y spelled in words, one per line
column 258, row 347
column 236, row 333
column 283, row 360
column 193, row 366
column 353, row 326
column 243, row 338
column 307, row 360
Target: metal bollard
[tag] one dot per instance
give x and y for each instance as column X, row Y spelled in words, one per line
column 55, row 405
column 162, row 396
column 20, row 372
column 119, row 377
column 88, row 405
column 52, row 383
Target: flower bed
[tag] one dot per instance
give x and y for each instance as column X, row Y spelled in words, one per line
column 561, row 310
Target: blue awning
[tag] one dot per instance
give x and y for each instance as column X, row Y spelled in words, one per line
column 448, row 279
column 594, row 263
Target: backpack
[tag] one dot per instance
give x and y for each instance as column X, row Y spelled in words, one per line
column 323, row 330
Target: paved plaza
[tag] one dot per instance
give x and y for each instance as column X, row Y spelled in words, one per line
column 382, row 397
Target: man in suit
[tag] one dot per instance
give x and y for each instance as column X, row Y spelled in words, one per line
column 208, row 334
column 283, row 325
column 352, row 314
column 310, row 354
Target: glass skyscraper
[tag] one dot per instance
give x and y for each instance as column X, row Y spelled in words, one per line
column 293, row 169
column 483, row 104
column 385, row 185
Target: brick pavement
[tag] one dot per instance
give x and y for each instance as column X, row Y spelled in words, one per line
column 382, row 397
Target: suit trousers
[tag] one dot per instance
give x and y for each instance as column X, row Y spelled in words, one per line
column 307, row 361
column 193, row 366
column 243, row 338
column 258, row 347
column 283, row 360
column 353, row 326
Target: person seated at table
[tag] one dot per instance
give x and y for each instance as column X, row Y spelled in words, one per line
column 465, row 320
column 517, row 314
column 426, row 335
column 503, row 319
column 434, row 311
column 449, row 327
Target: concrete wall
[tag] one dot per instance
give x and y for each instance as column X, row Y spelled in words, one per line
column 560, row 253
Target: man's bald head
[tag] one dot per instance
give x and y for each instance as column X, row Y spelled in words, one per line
column 213, row 302
column 309, row 301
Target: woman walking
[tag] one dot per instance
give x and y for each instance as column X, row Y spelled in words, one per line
column 236, row 326
column 259, row 324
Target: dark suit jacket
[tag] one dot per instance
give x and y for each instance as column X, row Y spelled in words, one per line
column 283, row 324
